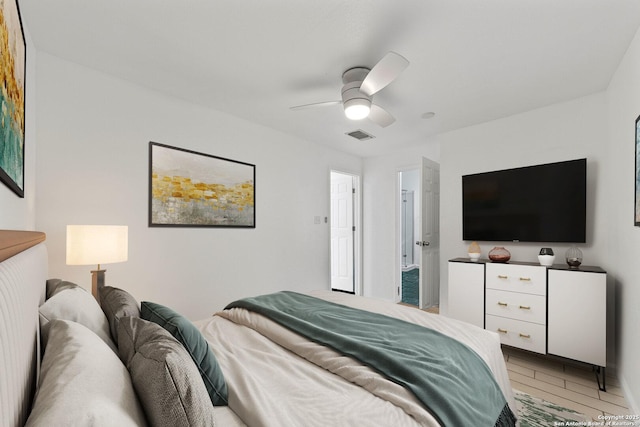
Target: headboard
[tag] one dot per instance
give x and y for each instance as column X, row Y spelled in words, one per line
column 23, row 275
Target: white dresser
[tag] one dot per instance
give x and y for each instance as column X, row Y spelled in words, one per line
column 548, row 310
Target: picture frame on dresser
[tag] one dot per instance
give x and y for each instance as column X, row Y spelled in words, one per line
column 192, row 189
column 12, row 95
column 636, row 221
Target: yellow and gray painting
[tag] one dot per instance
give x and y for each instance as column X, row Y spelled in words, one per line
column 194, row 189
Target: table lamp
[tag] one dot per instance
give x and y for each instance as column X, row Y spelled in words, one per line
column 96, row 244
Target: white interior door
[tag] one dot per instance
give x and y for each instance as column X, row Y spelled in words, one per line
column 342, row 233
column 430, row 232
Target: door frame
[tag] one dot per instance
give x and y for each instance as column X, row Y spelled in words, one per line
column 357, row 234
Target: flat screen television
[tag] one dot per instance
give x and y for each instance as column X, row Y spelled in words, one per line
column 542, row 203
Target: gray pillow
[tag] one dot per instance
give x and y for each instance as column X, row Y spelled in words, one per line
column 55, row 286
column 197, row 346
column 117, row 303
column 164, row 376
column 51, row 286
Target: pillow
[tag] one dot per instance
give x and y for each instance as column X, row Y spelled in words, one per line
column 193, row 341
column 75, row 304
column 164, row 376
column 83, row 382
column 51, row 286
column 117, row 303
column 55, row 286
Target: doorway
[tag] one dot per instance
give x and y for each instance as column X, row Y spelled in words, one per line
column 418, row 235
column 409, row 234
column 345, row 232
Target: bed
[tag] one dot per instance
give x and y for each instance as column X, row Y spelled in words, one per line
column 130, row 363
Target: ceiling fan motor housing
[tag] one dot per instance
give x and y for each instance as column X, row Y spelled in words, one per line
column 351, row 91
column 355, row 74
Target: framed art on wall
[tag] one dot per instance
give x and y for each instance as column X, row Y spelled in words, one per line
column 637, row 175
column 192, row 189
column 12, row 97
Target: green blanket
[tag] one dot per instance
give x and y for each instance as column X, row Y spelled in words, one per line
column 451, row 380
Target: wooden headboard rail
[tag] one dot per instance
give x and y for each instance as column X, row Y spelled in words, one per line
column 13, row 241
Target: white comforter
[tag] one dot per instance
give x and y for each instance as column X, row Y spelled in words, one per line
column 272, row 383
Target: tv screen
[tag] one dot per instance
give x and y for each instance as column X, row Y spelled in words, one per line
column 542, row 203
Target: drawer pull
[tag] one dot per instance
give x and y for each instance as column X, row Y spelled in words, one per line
column 502, row 331
column 500, row 276
column 525, row 279
column 525, row 307
column 503, row 304
column 525, row 336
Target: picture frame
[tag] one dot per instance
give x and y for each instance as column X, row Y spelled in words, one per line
column 637, row 175
column 12, row 93
column 193, row 189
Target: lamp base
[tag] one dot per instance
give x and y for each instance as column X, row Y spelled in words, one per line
column 97, row 282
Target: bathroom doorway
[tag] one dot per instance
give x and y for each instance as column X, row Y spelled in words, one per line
column 409, row 218
column 418, row 235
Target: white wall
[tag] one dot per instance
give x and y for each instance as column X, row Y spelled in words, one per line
column 559, row 132
column 566, row 131
column 18, row 213
column 571, row 130
column 380, row 222
column 624, row 243
column 599, row 127
column 93, row 135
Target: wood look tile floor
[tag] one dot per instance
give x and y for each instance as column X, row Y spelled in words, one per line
column 564, row 383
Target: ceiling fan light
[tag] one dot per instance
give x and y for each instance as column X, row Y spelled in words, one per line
column 357, row 109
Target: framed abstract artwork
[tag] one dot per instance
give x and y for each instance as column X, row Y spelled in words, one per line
column 636, row 220
column 192, row 189
column 13, row 52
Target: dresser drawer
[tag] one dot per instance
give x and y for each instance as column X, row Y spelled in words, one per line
column 514, row 305
column 530, row 279
column 516, row 333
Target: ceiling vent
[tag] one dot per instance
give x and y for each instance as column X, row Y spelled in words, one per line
column 360, row 135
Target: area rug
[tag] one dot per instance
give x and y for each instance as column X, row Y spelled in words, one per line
column 535, row 412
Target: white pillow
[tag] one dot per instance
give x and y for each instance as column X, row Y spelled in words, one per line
column 80, row 306
column 83, row 382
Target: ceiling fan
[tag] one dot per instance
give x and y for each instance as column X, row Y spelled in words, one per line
column 360, row 84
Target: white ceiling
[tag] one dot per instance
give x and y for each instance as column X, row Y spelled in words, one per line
column 471, row 61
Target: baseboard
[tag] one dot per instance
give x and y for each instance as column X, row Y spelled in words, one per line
column 634, row 408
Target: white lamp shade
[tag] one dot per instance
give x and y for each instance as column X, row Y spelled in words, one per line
column 97, row 244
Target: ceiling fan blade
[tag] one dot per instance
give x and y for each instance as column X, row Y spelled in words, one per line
column 380, row 116
column 383, row 73
column 317, row 104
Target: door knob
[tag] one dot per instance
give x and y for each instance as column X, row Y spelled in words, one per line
column 422, row 243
